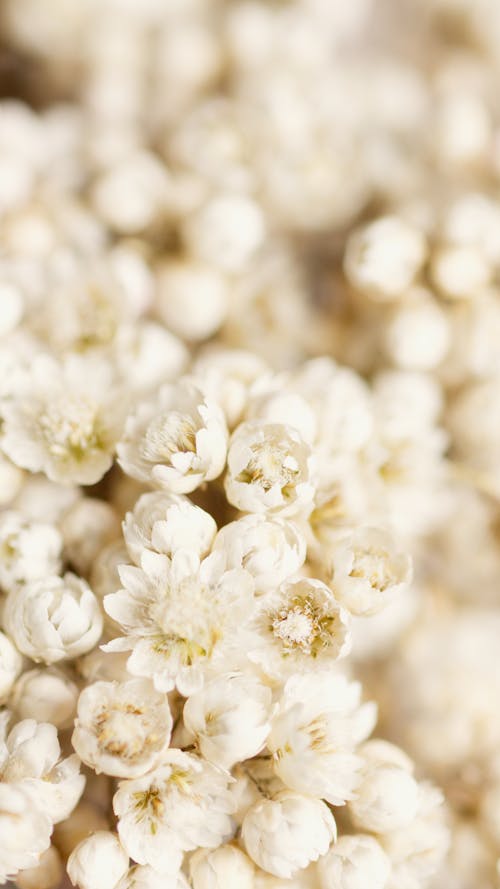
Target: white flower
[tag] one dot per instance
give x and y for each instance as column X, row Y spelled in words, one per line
column 284, row 834
column 229, row 718
column 417, row 850
column 54, row 618
column 314, row 734
column 182, row 805
column 98, row 862
column 386, row 798
column 164, row 523
column 24, row 830
column 122, row 728
column 368, row 569
column 226, row 231
column 47, row 873
column 227, row 375
column 270, row 549
column 354, row 862
column 63, row 420
column 193, row 298
column 417, row 335
column 47, row 695
column 30, row 756
column 299, row 627
column 179, row 616
column 141, row 876
column 28, row 550
column 147, row 355
column 177, row 442
column 87, row 526
column 269, row 469
column 383, row 258
column 224, row 867
column 11, row 664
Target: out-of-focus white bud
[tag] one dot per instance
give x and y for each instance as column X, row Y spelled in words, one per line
column 11, row 663
column 193, row 299
column 227, row 231
column 417, row 336
column 386, row 798
column 354, row 862
column 47, row 695
column 383, row 259
column 86, row 528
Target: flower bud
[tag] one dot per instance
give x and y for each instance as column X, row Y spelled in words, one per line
column 354, row 862
column 11, row 664
column 47, row 695
column 220, row 868
column 98, row 862
column 386, row 799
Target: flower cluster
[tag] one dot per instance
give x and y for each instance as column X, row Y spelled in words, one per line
column 249, row 438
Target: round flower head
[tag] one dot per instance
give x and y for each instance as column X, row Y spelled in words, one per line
column 98, row 862
column 165, row 523
column 47, row 695
column 87, row 526
column 270, row 549
column 315, row 731
column 417, row 850
column 30, row 757
column 284, row 834
column 63, row 420
column 193, row 298
column 269, row 469
column 354, row 862
column 177, row 442
column 223, row 867
column 368, row 570
column 229, row 718
column 179, row 616
column 53, row 619
column 299, row 627
column 24, row 831
column 122, row 728
column 28, row 550
column 386, row 798
column 383, row 258
column 182, row 805
column 11, row 664
column 228, row 375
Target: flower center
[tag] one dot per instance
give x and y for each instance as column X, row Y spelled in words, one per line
column 169, row 433
column 270, row 465
column 70, row 427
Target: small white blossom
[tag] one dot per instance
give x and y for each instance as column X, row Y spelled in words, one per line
column 314, row 734
column 182, row 805
column 98, row 862
column 87, row 526
column 63, row 420
column 11, row 664
column 417, row 850
column 269, row 469
column 284, row 834
column 299, row 627
column 30, row 757
column 368, row 569
column 229, row 718
column 53, row 619
column 179, row 616
column 354, row 862
column 123, row 728
column 165, row 523
column 28, row 550
column 383, row 258
column 227, row 375
column 24, row 830
column 221, row 868
column 193, row 298
column 47, row 695
column 386, row 798
column 270, row 549
column 177, row 442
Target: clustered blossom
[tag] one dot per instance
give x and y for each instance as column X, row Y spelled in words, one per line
column 249, row 439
